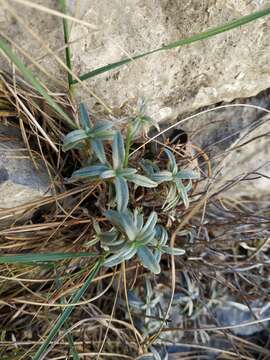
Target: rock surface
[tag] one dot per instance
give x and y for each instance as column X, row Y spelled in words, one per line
column 20, row 181
column 231, row 65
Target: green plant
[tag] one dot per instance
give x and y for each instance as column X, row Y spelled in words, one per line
column 130, row 235
column 115, row 173
column 90, row 135
column 173, row 178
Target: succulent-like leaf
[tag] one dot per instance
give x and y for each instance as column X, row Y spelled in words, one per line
column 83, row 116
column 161, row 235
column 157, row 255
column 172, row 251
column 162, row 176
column 126, row 253
column 122, row 193
column 118, row 151
column 182, row 192
column 122, row 221
column 150, row 224
column 172, row 198
column 98, row 149
column 108, row 237
column 186, row 174
column 108, row 174
column 148, row 260
column 126, row 172
column 111, row 240
column 138, row 219
column 92, row 172
column 141, row 180
column 147, row 238
column 73, row 138
column 172, row 162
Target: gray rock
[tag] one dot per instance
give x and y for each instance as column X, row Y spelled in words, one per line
column 236, row 140
column 20, row 181
column 228, row 66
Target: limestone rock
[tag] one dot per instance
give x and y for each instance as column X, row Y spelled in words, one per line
column 20, row 181
column 228, row 66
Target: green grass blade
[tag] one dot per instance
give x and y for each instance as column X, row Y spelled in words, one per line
column 67, row 312
column 33, row 258
column 29, row 76
column 63, row 8
column 69, row 336
column 197, row 37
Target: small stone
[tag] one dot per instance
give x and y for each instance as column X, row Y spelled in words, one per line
column 20, row 181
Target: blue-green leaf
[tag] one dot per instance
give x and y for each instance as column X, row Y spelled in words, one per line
column 162, row 176
column 98, row 149
column 122, row 193
column 172, row 162
column 108, row 174
column 138, row 219
column 73, row 138
column 161, row 235
column 84, row 118
column 141, row 180
column 150, row 223
column 186, row 175
column 91, row 172
column 126, row 253
column 182, row 192
column 118, row 151
column 126, row 172
column 102, row 127
column 122, row 221
column 148, row 260
column 171, row 250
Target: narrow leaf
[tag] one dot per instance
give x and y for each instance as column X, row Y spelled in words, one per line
column 162, row 176
column 142, row 180
column 150, row 223
column 37, row 258
column 148, row 260
column 118, row 151
column 108, row 174
column 67, row 311
column 126, row 253
column 122, row 193
column 187, row 175
column 197, row 37
column 73, row 138
column 123, row 222
column 84, row 117
column 172, row 251
column 183, row 192
column 63, row 8
column 127, row 172
column 172, row 162
column 91, row 172
column 98, row 148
